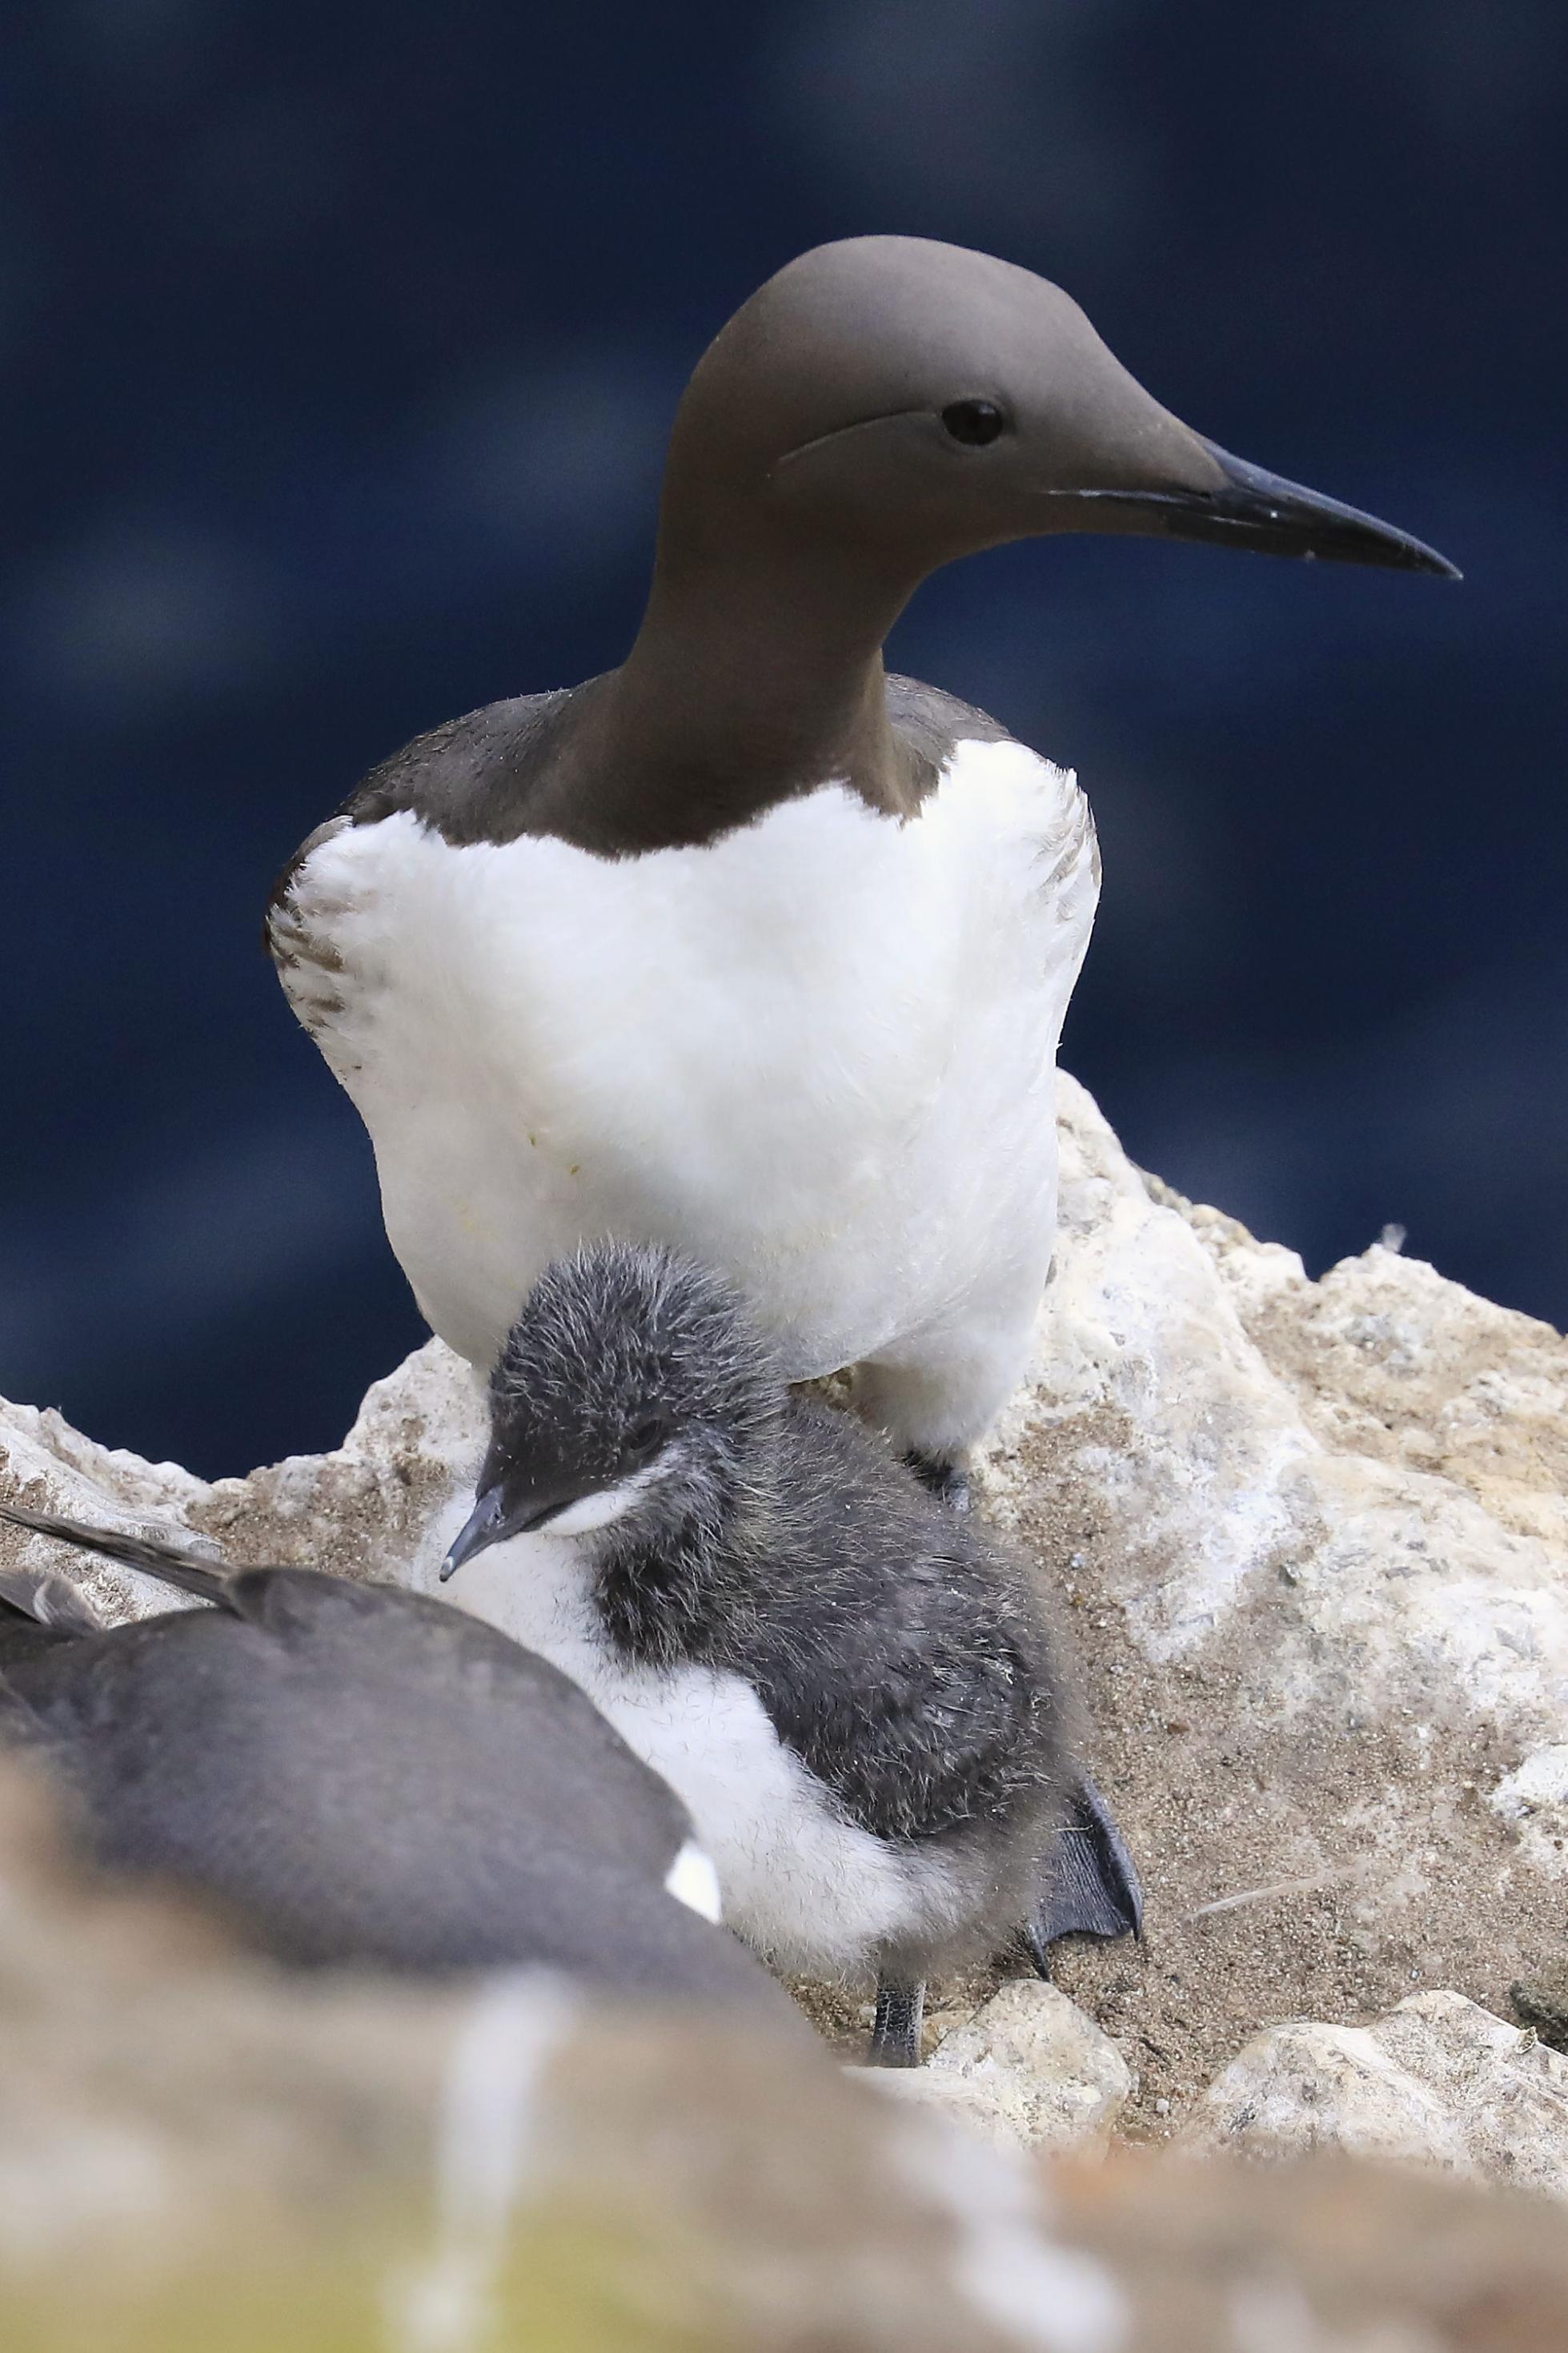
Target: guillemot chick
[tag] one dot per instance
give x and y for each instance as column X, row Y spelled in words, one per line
column 852, row 1687
column 745, row 947
column 358, row 1775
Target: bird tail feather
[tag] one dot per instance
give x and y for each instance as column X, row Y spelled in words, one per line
column 48, row 1600
column 39, row 1591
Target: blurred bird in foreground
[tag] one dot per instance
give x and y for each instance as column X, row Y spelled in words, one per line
column 357, row 1775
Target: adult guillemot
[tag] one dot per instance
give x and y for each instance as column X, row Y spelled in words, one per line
column 853, row 1688
column 359, row 1775
column 746, row 947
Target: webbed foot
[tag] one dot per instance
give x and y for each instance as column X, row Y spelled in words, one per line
column 1093, row 1888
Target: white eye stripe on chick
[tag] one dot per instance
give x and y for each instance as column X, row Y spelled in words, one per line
column 602, row 1508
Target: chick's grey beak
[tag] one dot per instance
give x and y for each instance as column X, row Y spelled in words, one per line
column 484, row 1525
column 1251, row 509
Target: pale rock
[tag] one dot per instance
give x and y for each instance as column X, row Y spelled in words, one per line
column 1439, row 2081
column 1313, row 1542
column 1030, row 2070
column 1535, row 1798
column 372, row 1507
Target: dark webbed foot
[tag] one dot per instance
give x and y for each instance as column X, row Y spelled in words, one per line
column 895, row 2034
column 948, row 1480
column 1093, row 1889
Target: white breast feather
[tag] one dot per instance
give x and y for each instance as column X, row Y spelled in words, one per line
column 819, row 1052
column 807, row 1887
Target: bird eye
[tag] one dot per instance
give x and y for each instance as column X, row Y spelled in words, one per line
column 974, row 422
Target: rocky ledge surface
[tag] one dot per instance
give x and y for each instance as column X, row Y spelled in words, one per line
column 1311, row 1543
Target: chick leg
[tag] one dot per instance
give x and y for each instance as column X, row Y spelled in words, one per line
column 895, row 2034
column 947, row 1477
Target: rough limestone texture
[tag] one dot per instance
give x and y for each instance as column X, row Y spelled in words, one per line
column 373, row 1507
column 1311, row 1543
column 1028, row 2070
column 1439, row 2082
column 1313, row 1540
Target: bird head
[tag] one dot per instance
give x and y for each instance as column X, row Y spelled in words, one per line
column 913, row 402
column 630, row 1394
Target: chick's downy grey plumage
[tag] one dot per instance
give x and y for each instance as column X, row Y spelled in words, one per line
column 359, row 1775
column 853, row 1687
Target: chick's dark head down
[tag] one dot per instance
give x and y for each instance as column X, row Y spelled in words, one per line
column 634, row 1392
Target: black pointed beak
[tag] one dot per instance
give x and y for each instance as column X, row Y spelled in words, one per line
column 484, row 1524
column 1251, row 509
column 493, row 1520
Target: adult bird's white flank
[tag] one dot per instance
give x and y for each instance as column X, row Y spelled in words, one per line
column 745, row 948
